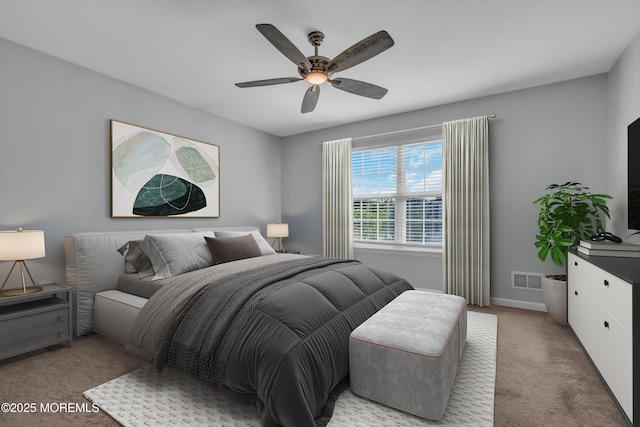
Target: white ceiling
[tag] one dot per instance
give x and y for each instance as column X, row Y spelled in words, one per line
column 445, row 51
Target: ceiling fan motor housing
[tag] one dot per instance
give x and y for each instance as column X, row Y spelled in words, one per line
column 318, row 64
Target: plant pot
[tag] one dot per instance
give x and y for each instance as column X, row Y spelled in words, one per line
column 554, row 293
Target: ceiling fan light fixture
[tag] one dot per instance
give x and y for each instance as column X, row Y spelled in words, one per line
column 316, row 77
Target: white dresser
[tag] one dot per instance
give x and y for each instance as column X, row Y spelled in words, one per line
column 603, row 295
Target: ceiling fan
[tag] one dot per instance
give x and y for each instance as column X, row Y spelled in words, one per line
column 317, row 70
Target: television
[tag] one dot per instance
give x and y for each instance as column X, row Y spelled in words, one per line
column 633, row 156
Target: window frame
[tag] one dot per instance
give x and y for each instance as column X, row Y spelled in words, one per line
column 400, row 198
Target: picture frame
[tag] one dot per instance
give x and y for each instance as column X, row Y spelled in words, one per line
column 159, row 174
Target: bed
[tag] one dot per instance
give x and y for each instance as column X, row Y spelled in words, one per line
column 266, row 329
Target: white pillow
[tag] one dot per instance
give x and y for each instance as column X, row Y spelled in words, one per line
column 174, row 254
column 265, row 247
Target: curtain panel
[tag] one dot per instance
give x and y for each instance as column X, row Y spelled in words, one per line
column 337, row 199
column 465, row 249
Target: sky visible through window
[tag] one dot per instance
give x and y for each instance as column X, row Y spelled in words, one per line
column 424, row 168
column 375, row 172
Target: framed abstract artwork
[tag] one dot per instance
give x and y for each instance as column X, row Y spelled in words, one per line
column 157, row 174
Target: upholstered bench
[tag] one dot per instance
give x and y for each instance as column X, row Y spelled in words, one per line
column 407, row 354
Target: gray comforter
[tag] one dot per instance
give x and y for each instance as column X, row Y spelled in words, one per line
column 276, row 334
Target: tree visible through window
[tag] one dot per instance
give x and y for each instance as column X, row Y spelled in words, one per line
column 397, row 194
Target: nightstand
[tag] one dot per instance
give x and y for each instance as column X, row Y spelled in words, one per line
column 33, row 321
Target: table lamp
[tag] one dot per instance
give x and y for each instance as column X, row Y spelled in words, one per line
column 278, row 231
column 18, row 245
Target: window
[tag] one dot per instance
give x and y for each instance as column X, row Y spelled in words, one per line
column 397, row 194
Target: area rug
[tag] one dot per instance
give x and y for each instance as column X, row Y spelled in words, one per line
column 144, row 398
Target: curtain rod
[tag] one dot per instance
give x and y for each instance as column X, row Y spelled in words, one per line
column 492, row 116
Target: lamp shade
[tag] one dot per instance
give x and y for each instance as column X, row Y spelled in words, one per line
column 21, row 244
column 278, row 230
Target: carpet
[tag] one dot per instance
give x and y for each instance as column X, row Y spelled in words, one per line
column 143, row 397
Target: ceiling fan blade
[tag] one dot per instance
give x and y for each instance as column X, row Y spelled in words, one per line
column 361, row 51
column 310, row 99
column 359, row 88
column 284, row 45
column 269, row 82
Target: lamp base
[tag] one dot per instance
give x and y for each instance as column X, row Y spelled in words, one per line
column 280, row 249
column 25, row 290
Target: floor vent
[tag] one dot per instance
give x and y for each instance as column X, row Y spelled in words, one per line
column 529, row 281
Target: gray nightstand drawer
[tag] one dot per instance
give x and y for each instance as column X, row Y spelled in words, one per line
column 25, row 333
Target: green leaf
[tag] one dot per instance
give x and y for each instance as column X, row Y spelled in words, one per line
column 557, row 255
column 542, row 254
column 601, row 196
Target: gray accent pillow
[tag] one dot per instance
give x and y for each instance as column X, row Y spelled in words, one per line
column 225, row 249
column 174, row 254
column 136, row 260
column 265, row 247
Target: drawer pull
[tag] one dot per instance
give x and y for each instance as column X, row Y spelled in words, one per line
column 606, row 283
column 59, row 318
column 576, row 292
column 575, row 263
column 606, row 324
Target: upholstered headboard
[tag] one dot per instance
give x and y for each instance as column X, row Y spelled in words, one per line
column 93, row 264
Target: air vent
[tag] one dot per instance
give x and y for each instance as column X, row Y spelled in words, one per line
column 528, row 281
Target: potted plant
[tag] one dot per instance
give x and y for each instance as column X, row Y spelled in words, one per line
column 568, row 213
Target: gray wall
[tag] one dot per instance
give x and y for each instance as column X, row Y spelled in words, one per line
column 624, row 108
column 543, row 135
column 55, row 154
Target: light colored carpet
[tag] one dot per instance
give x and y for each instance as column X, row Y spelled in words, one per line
column 142, row 397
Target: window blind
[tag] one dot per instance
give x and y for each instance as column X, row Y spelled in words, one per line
column 397, row 194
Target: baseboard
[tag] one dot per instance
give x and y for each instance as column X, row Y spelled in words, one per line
column 535, row 306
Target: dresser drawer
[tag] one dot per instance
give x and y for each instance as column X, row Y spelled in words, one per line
column 578, row 271
column 611, row 351
column 579, row 308
column 614, row 295
column 24, row 333
column 582, row 272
